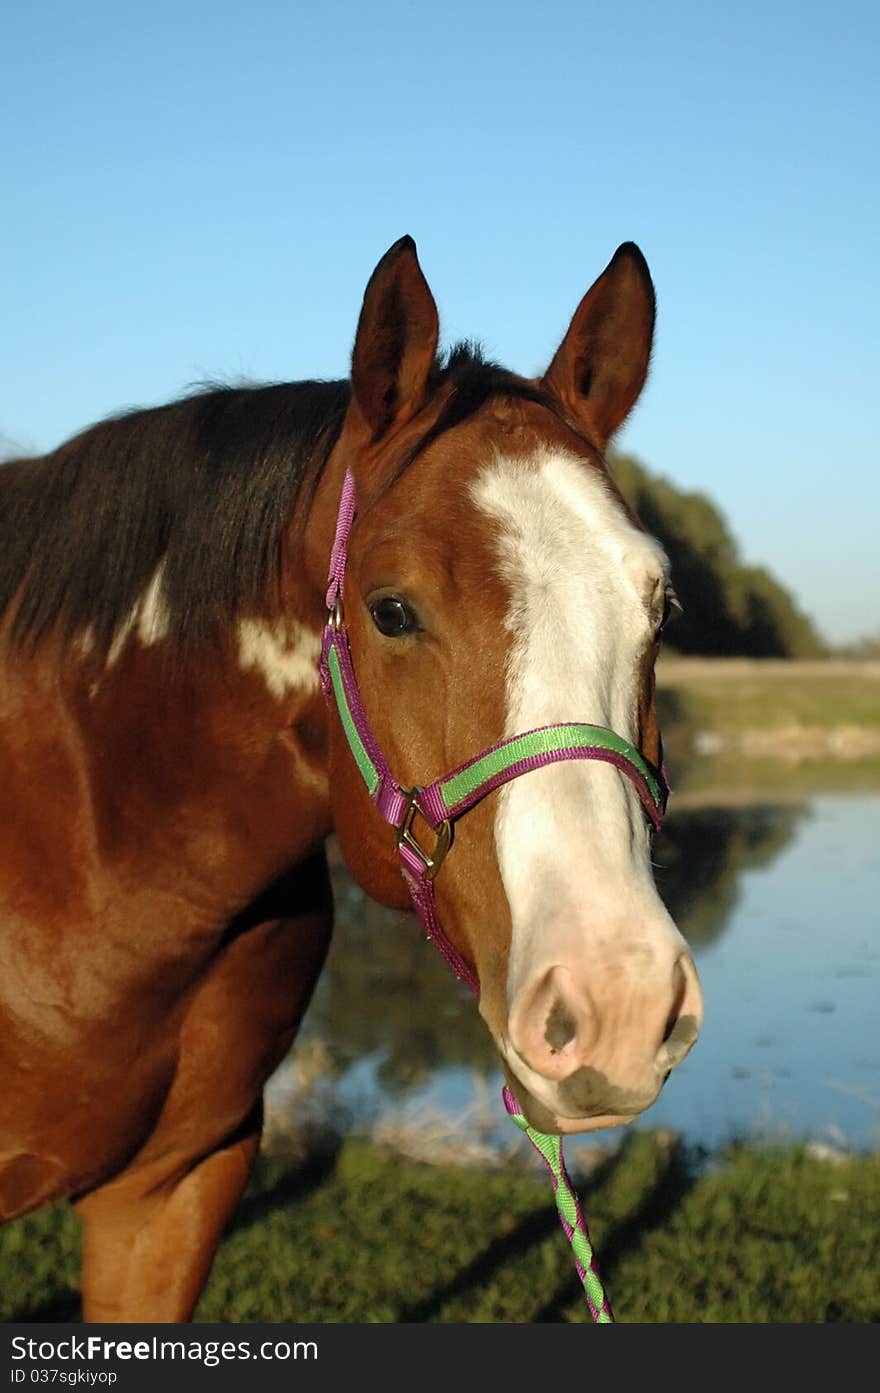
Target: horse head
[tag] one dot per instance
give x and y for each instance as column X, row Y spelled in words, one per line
column 496, row 583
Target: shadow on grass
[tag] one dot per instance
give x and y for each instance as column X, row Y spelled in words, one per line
column 659, row 1203
column 276, row 1188
column 62, row 1308
column 529, row 1232
column 675, row 1180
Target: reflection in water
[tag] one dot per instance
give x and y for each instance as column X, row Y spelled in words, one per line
column 386, row 991
column 701, row 854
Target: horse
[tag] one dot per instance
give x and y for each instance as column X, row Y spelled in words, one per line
column 171, row 771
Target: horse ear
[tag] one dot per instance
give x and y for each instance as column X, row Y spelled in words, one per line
column 396, row 342
column 600, row 367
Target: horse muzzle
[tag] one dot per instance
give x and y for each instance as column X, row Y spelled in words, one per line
column 584, row 1053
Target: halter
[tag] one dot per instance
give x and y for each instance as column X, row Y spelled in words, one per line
column 441, row 803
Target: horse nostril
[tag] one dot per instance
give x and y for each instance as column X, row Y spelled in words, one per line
column 683, row 1021
column 560, row 1028
column 678, row 1001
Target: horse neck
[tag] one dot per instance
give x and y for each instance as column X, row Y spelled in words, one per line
column 204, row 771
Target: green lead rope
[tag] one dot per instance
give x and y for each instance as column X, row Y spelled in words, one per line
column 571, row 1216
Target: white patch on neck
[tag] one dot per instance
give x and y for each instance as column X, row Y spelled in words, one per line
column 84, row 642
column 285, row 654
column 148, row 618
column 571, row 837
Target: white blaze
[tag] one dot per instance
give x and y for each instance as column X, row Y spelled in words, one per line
column 571, row 838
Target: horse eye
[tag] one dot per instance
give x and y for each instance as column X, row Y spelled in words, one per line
column 393, row 617
column 671, row 610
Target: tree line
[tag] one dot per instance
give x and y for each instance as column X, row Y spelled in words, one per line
column 729, row 609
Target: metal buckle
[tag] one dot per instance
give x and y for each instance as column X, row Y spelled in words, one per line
column 336, row 615
column 433, row 862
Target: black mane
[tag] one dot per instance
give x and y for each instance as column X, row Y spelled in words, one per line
column 474, row 380
column 204, row 486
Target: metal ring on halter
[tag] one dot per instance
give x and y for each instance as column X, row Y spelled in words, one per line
column 336, row 616
column 405, row 836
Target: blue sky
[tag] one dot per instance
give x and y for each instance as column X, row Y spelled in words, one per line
column 196, row 191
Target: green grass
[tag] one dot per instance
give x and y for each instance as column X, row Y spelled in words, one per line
column 739, row 779
column 735, row 695
column 760, row 1235
column 746, row 730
